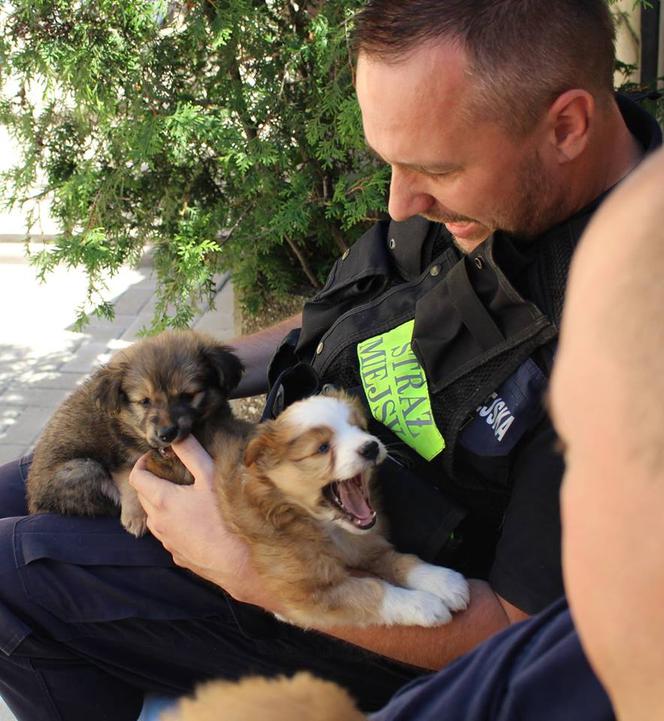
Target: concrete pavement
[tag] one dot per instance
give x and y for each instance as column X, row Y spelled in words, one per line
column 42, row 359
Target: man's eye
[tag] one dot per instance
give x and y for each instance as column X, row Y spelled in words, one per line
column 324, row 448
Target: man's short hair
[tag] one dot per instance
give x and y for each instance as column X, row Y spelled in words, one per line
column 522, row 53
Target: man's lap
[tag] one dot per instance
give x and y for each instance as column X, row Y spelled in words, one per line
column 12, row 487
column 86, row 585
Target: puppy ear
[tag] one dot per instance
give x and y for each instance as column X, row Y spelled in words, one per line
column 226, row 364
column 108, row 390
column 260, row 445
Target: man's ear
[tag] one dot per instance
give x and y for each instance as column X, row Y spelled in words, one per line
column 226, row 364
column 108, row 388
column 570, row 117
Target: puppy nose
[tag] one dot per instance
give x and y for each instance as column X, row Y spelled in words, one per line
column 167, row 434
column 369, row 451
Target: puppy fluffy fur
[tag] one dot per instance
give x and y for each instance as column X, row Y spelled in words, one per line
column 298, row 492
column 153, row 393
column 277, row 699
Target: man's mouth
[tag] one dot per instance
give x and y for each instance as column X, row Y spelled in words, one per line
column 352, row 498
column 464, row 229
column 460, row 227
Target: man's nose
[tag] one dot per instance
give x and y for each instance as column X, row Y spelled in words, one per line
column 407, row 197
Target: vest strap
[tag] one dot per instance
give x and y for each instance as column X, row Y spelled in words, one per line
column 471, row 310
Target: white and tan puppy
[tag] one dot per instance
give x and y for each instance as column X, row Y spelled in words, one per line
column 299, row 493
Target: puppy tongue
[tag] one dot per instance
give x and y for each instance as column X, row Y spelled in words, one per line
column 354, row 501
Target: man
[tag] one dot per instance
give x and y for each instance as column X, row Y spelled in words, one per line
column 604, row 396
column 520, row 170
column 91, row 618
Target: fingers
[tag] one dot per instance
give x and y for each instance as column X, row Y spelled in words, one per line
column 152, row 490
column 155, row 490
column 154, row 494
column 196, row 459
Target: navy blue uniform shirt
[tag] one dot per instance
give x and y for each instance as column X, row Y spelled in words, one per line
column 534, row 671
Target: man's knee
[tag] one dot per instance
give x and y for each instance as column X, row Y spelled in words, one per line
column 13, row 627
column 12, row 487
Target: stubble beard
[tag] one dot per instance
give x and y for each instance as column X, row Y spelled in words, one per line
column 537, row 207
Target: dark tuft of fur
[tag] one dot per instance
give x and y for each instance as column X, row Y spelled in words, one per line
column 228, row 366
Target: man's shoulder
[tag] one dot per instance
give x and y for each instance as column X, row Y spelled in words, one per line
column 535, row 669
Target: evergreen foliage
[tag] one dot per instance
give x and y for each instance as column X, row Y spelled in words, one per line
column 223, row 133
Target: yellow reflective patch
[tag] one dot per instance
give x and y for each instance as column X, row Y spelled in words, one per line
column 396, row 388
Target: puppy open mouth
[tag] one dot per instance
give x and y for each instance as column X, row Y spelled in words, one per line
column 352, row 498
column 166, row 452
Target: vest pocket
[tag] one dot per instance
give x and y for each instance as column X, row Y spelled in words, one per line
column 465, row 321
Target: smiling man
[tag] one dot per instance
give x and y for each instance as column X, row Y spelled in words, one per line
column 460, row 128
column 503, row 133
column 445, row 319
column 607, row 373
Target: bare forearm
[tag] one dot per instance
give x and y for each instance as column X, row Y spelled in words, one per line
column 433, row 648
column 255, row 351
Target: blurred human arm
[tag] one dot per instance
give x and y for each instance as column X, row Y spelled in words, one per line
column 255, row 351
column 433, row 648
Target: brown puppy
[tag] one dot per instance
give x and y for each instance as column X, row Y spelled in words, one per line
column 157, row 391
column 299, row 494
column 261, row 699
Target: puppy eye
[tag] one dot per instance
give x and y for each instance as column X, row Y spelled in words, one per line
column 324, row 448
column 144, row 402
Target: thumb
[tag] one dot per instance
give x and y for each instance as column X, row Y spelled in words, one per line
column 196, row 459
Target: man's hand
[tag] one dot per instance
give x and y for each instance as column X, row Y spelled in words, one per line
column 186, row 519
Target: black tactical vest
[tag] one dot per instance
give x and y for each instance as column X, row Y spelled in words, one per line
column 473, row 328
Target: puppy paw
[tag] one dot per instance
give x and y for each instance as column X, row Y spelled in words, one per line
column 134, row 521
column 402, row 606
column 285, row 619
column 445, row 583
